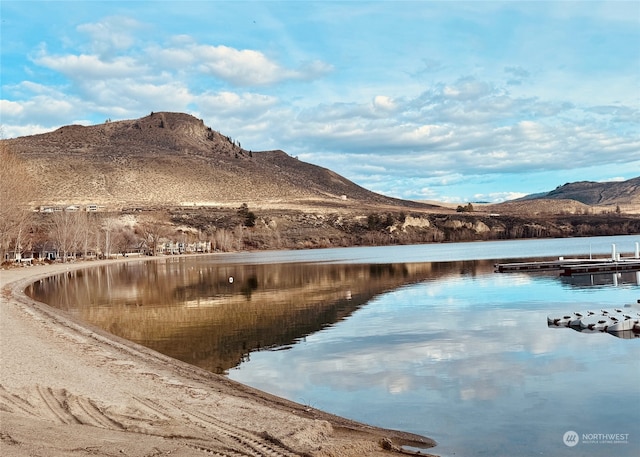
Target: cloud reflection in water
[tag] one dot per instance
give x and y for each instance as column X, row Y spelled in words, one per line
column 431, row 356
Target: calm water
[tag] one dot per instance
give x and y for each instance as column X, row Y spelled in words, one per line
column 425, row 339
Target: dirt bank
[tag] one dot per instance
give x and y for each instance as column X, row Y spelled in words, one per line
column 67, row 388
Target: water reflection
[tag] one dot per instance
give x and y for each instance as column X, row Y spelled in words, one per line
column 192, row 311
column 436, row 346
column 470, row 361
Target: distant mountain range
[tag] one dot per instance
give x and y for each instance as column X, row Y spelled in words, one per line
column 169, row 159
column 579, row 197
column 595, row 193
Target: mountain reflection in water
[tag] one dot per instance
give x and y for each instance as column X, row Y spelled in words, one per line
column 214, row 316
column 442, row 348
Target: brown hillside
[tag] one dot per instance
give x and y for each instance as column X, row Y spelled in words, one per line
column 175, row 159
column 540, row 207
column 588, row 196
column 600, row 193
column 583, row 197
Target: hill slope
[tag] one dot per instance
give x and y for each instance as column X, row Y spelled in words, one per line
column 172, row 159
column 583, row 197
column 596, row 193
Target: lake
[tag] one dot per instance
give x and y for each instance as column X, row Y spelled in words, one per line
column 426, row 339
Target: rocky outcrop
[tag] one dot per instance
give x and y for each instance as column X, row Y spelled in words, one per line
column 420, row 222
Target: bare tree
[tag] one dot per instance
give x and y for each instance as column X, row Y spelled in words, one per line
column 153, row 228
column 17, row 193
column 124, row 240
column 109, row 226
column 66, row 232
column 87, row 233
column 223, row 240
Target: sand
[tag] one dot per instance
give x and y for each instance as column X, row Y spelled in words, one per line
column 67, row 388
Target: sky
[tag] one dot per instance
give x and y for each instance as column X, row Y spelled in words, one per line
column 450, row 101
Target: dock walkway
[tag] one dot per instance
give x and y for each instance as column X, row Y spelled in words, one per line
column 573, row 266
column 568, row 267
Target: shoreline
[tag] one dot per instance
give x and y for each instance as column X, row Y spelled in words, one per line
column 67, row 387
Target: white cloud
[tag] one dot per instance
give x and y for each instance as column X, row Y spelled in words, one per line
column 425, row 135
column 468, row 88
column 478, row 129
column 14, row 131
column 82, row 67
column 37, row 111
column 228, row 103
column 10, row 108
column 130, row 97
column 240, row 67
column 383, row 102
column 111, row 34
column 173, row 59
column 497, row 197
column 29, row 88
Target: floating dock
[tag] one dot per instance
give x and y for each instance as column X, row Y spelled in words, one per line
column 606, row 267
column 569, row 267
column 621, row 322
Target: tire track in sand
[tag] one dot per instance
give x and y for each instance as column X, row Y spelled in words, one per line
column 217, row 438
column 56, row 405
column 248, row 444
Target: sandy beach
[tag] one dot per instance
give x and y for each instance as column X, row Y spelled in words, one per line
column 67, row 388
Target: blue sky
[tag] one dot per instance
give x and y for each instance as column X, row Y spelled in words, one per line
column 450, row 101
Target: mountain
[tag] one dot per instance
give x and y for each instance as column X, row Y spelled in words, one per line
column 175, row 159
column 595, row 193
column 583, row 197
